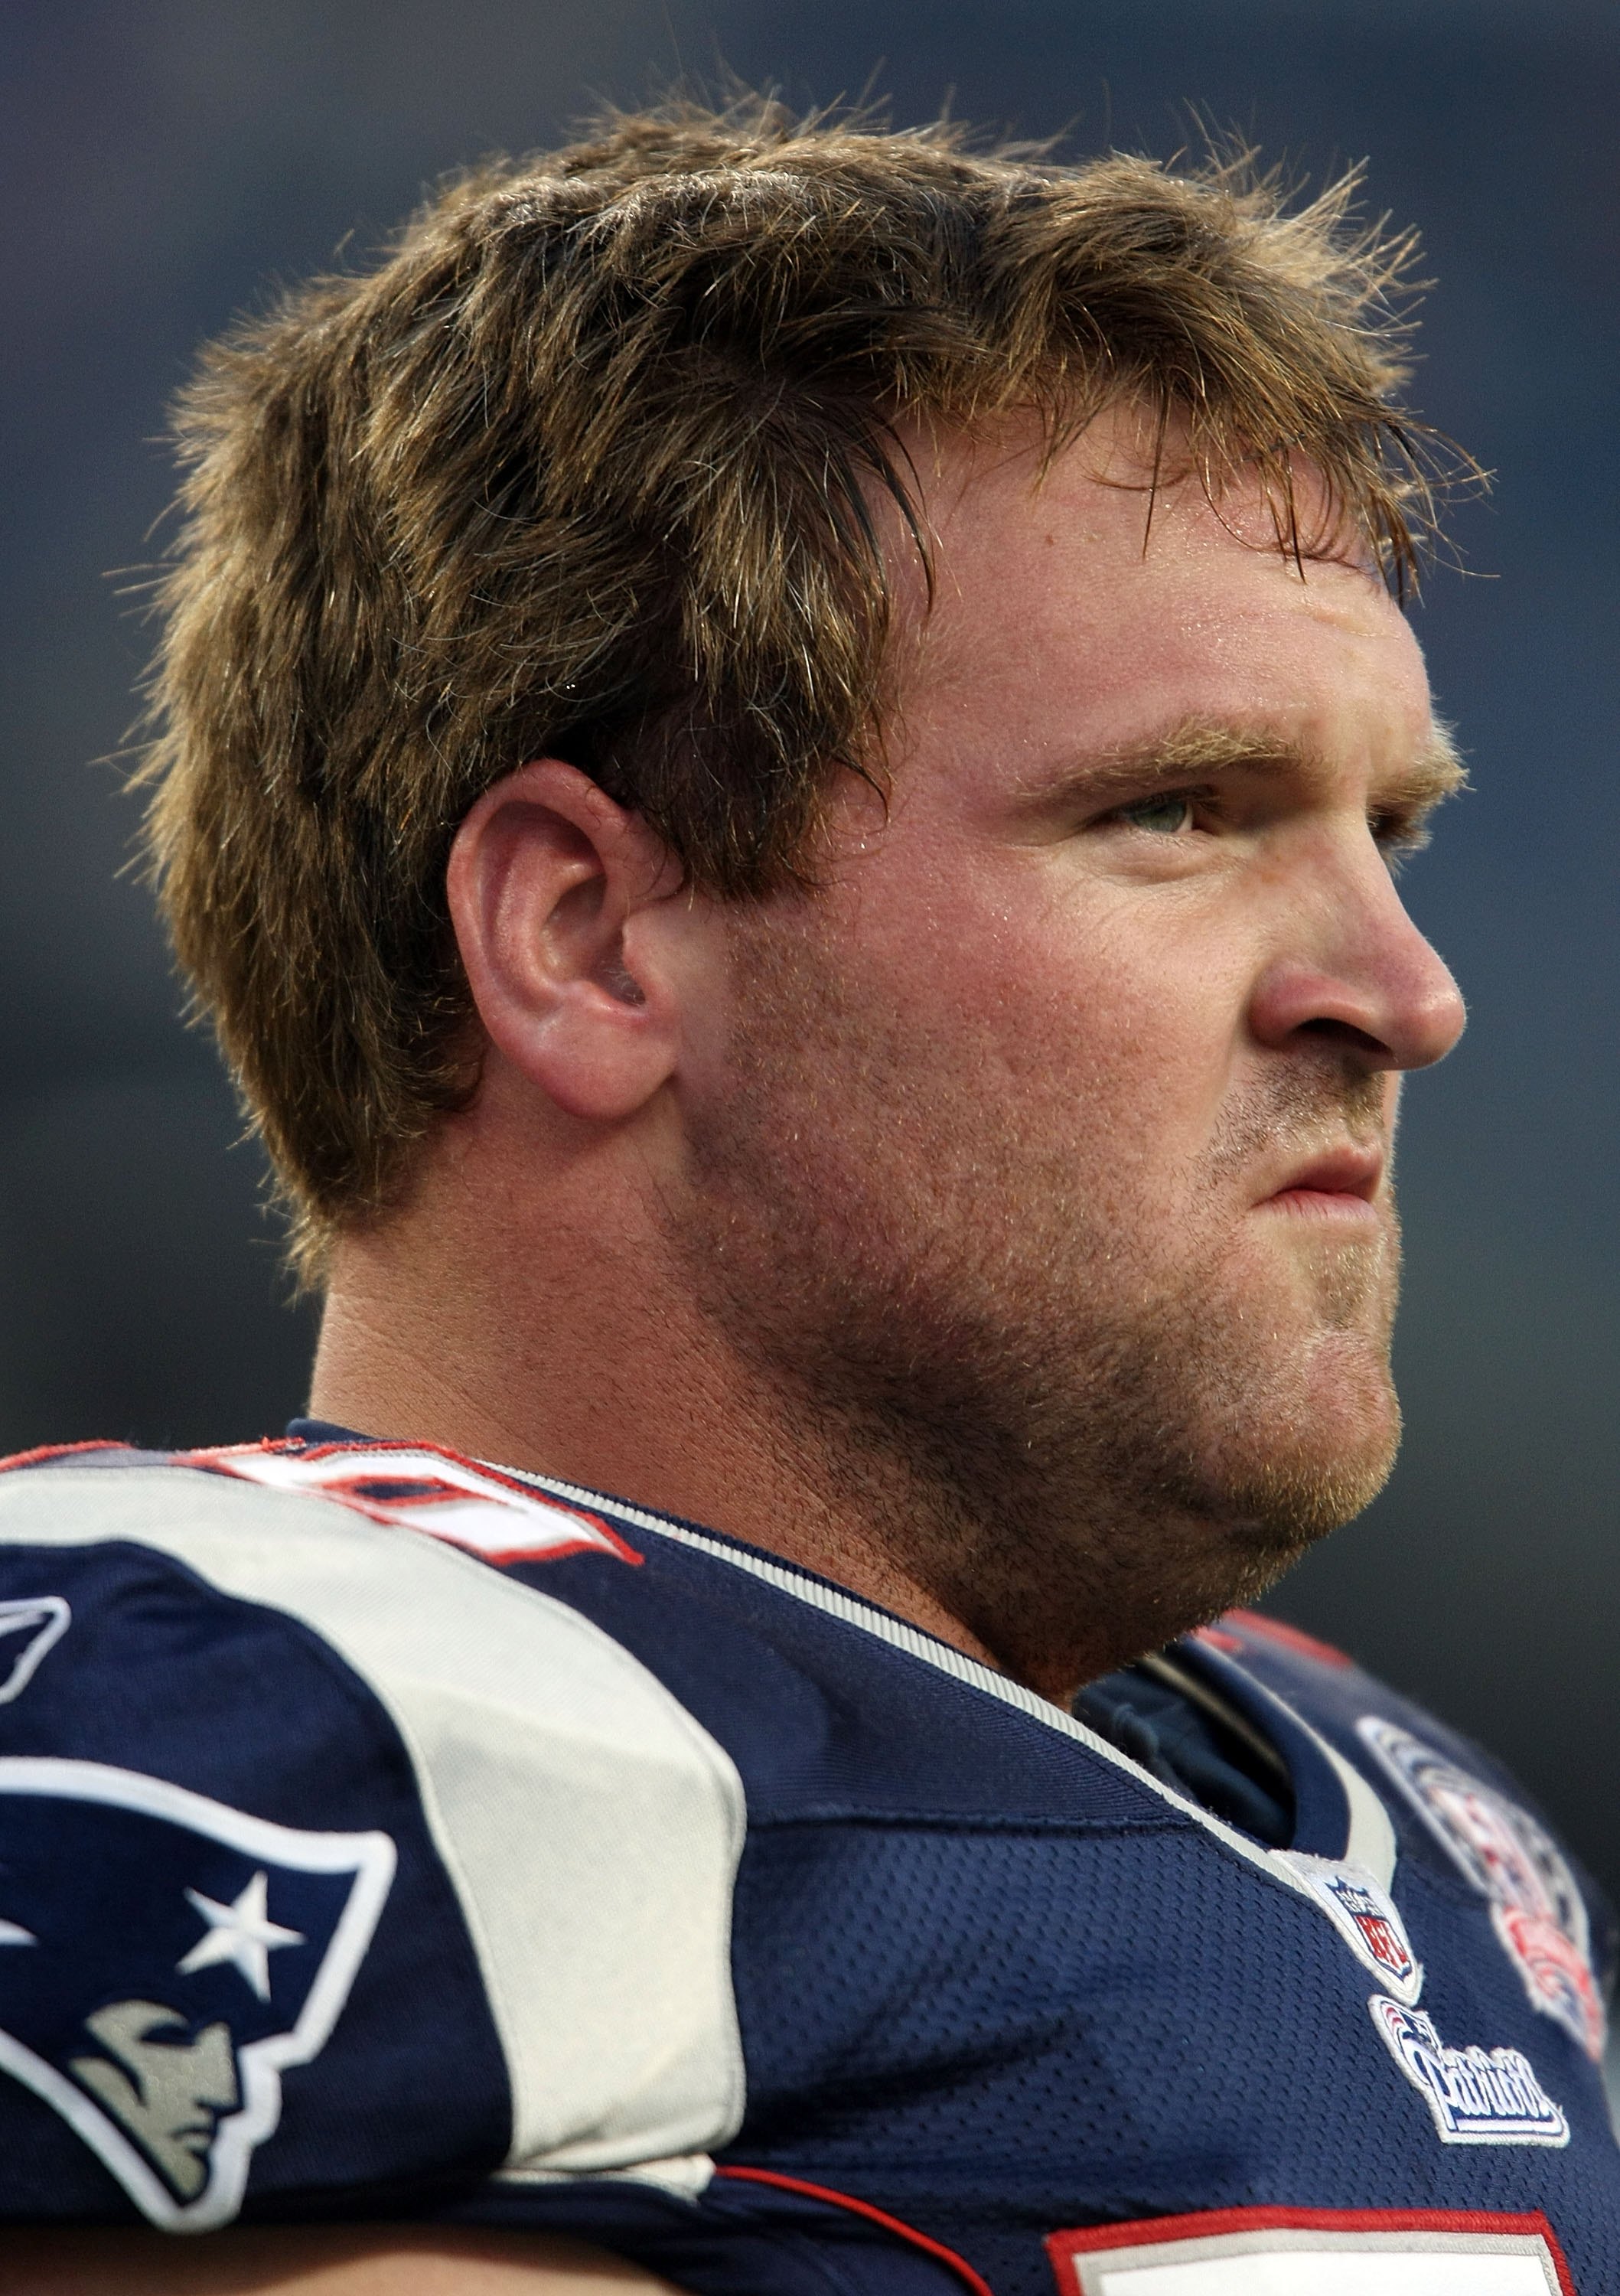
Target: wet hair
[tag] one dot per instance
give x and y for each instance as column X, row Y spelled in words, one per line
column 586, row 467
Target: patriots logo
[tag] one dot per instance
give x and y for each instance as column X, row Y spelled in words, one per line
column 163, row 1958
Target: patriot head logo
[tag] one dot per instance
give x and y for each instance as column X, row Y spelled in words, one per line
column 163, row 1959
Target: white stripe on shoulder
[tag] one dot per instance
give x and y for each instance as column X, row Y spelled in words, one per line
column 590, row 1827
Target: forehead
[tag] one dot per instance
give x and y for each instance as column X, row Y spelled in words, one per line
column 1076, row 609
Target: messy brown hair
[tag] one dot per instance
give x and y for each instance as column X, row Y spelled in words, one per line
column 584, row 468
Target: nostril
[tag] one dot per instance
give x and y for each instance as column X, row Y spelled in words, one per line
column 1344, row 1032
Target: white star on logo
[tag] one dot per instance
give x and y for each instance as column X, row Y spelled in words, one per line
column 242, row 1933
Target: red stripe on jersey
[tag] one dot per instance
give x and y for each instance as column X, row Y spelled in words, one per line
column 44, row 1451
column 958, row 2264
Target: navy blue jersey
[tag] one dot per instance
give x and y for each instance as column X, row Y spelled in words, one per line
column 386, row 1837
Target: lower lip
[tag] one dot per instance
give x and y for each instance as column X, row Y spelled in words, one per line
column 1322, row 1204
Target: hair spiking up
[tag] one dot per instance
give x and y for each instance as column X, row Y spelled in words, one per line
column 584, row 468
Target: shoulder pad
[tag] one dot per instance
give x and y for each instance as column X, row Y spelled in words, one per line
column 589, row 1826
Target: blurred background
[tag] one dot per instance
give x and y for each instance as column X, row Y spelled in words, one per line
column 166, row 161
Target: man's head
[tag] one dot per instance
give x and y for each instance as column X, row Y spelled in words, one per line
column 948, row 595
column 586, row 468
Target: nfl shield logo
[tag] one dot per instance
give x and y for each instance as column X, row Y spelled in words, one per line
column 1365, row 1916
column 162, row 1958
column 1385, row 1943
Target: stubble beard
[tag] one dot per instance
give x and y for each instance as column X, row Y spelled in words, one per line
column 1083, row 1443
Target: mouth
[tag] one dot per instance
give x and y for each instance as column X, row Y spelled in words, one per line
column 1341, row 1184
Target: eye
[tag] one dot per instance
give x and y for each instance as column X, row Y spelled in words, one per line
column 1398, row 837
column 1166, row 814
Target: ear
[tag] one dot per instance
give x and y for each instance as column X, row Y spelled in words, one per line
column 547, row 879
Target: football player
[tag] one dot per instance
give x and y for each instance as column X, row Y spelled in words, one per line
column 783, row 753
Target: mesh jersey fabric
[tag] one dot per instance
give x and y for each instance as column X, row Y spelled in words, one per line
column 987, row 1986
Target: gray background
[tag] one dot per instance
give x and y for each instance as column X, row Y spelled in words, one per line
column 165, row 162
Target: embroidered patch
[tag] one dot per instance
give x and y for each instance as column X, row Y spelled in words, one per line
column 1475, row 2095
column 1536, row 1908
column 195, row 1952
column 1316, row 2253
column 422, row 1488
column 1366, row 1917
column 28, row 1628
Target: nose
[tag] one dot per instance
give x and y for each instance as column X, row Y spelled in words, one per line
column 1356, row 970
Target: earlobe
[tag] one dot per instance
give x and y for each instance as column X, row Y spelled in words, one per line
column 547, row 878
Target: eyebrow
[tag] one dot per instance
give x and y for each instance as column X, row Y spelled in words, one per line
column 1200, row 747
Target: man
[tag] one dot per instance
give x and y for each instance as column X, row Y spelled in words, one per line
column 783, row 750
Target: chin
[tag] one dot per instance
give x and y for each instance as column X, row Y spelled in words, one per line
column 1284, row 1478
column 1298, row 1495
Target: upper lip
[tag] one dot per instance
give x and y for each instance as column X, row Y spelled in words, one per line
column 1345, row 1171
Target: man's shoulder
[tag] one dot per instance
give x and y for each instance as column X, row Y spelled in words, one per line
column 266, row 1749
column 392, row 1553
column 275, row 1581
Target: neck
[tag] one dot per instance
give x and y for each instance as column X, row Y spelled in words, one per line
column 596, row 1367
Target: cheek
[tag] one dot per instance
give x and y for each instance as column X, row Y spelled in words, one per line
column 1118, row 1039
